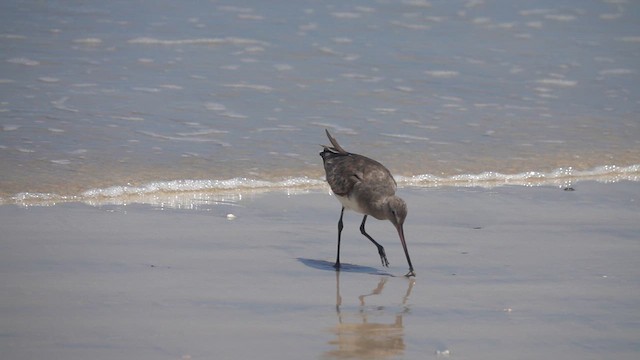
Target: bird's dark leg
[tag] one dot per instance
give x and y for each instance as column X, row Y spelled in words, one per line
column 383, row 255
column 340, row 226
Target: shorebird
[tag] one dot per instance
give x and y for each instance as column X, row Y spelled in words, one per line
column 365, row 186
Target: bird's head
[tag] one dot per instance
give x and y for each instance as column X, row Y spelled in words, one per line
column 396, row 211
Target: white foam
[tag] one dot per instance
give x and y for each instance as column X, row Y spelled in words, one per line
column 48, row 79
column 146, row 89
column 215, row 106
column 617, row 72
column 233, row 115
column 203, row 132
column 189, row 193
column 442, row 73
column 250, row 17
column 558, row 17
column 88, row 41
column 410, row 26
column 23, row 61
column 184, row 138
column 235, row 9
column 256, row 87
column 417, row 3
column 342, row 40
column 346, row 15
column 535, row 12
column 235, row 184
column 171, row 87
column 128, row 118
column 557, row 177
column 557, row 82
column 201, row 41
column 12, row 36
column 404, row 88
column 279, row 128
column 60, row 104
column 407, row 137
column 385, row 110
column 336, row 128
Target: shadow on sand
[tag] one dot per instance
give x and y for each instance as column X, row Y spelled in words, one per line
column 344, row 267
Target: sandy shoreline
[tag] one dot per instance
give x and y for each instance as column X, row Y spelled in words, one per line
column 509, row 272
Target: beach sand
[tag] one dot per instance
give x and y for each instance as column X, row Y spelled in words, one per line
column 502, row 273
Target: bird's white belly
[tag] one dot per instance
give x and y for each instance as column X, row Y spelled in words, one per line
column 350, row 203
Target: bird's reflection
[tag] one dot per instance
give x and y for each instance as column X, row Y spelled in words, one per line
column 364, row 339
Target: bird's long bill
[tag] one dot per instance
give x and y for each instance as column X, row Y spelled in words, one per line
column 401, row 234
column 404, row 244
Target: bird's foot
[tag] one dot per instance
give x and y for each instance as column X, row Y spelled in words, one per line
column 411, row 273
column 383, row 257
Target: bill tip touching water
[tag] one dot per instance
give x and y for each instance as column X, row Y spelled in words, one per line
column 365, row 186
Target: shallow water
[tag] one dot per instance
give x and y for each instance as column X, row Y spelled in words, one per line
column 113, row 94
column 504, row 273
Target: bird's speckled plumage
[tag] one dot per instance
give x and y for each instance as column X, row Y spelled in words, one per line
column 365, row 186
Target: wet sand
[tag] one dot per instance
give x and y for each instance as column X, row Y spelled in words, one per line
column 503, row 273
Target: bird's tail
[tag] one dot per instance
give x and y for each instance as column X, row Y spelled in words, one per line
column 336, row 147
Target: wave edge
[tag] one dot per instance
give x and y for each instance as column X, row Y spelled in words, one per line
column 187, row 192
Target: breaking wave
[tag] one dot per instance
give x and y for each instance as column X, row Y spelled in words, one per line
column 190, row 193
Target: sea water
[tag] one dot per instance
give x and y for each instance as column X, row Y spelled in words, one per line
column 112, row 99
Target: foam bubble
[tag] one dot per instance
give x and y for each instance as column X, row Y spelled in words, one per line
column 60, row 104
column 12, row 36
column 23, row 61
column 557, row 177
column 256, row 87
column 201, row 41
column 146, row 89
column 215, row 106
column 534, row 12
column 407, row 137
column 337, row 128
column 558, row 17
column 616, row 72
column 235, row 184
column 190, row 193
column 48, row 79
column 346, row 15
column 185, row 137
column 442, row 73
column 557, row 82
column 171, row 87
column 88, row 41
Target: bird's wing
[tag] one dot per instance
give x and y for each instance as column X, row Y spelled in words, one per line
column 375, row 176
column 344, row 172
column 341, row 175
